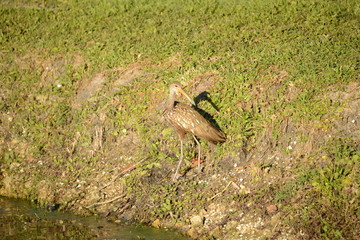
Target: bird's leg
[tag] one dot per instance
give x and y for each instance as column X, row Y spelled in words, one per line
column 181, row 158
column 199, row 152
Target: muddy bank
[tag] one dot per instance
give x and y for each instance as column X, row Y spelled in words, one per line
column 105, row 149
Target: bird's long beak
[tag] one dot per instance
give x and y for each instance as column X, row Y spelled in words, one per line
column 187, row 96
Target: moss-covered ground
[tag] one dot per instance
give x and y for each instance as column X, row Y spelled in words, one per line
column 83, row 84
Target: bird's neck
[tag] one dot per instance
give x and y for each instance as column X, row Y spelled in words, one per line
column 170, row 103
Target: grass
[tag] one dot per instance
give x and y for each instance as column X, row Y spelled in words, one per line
column 326, row 198
column 263, row 62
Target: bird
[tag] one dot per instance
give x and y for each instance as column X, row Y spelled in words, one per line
column 186, row 119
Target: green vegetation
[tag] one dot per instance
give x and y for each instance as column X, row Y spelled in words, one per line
column 82, row 85
column 325, row 200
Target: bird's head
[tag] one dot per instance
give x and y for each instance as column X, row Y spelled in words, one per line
column 175, row 88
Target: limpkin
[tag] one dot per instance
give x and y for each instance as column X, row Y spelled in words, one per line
column 186, row 119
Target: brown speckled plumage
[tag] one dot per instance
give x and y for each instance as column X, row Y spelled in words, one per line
column 185, row 119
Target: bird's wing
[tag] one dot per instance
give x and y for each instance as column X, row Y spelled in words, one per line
column 194, row 123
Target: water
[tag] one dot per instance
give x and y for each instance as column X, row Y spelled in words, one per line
column 20, row 219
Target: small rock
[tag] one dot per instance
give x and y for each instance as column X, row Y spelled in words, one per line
column 271, row 208
column 156, row 223
column 196, row 221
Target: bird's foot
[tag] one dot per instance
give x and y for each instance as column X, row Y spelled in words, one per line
column 176, row 176
column 195, row 162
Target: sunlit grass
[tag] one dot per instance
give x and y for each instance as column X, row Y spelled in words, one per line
column 264, row 62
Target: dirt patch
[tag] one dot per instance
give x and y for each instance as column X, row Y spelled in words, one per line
column 173, row 61
column 114, row 78
column 204, row 82
column 128, row 75
column 348, row 121
column 88, row 88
